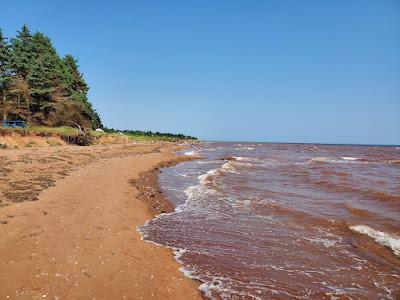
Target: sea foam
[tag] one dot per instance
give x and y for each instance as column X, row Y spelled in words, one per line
column 241, row 158
column 204, row 178
column 350, row 158
column 191, row 153
column 340, row 160
column 383, row 238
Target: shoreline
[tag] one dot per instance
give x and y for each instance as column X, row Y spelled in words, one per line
column 79, row 240
column 149, row 189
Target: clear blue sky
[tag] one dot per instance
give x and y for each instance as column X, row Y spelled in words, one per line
column 295, row 71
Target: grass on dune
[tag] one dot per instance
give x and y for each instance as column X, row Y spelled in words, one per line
column 62, row 129
column 42, row 129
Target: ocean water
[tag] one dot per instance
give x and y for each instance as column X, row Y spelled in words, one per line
column 285, row 221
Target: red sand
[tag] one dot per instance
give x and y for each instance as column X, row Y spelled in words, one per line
column 78, row 240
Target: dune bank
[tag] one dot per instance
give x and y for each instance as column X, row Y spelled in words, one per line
column 68, row 218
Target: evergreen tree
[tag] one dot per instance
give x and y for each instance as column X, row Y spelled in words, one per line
column 76, row 86
column 46, row 72
column 21, row 64
column 77, row 89
column 21, row 52
column 5, row 69
column 45, row 78
column 4, row 61
column 96, row 120
column 38, row 86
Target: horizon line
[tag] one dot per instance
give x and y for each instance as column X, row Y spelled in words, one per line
column 303, row 143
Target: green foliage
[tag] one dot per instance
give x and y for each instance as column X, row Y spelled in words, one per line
column 45, row 76
column 77, row 89
column 76, row 86
column 63, row 129
column 21, row 52
column 5, row 56
column 40, row 87
column 151, row 135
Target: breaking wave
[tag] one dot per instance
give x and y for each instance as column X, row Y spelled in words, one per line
column 350, row 158
column 191, row 153
column 340, row 160
column 274, row 222
column 383, row 238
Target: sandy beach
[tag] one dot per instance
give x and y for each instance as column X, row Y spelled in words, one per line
column 68, row 218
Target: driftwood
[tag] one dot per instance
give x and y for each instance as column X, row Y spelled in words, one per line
column 83, row 138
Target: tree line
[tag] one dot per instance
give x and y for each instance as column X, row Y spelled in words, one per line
column 151, row 134
column 40, row 87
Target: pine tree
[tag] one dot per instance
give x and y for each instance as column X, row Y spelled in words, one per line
column 4, row 60
column 5, row 69
column 76, row 86
column 46, row 73
column 21, row 52
column 96, row 120
column 77, row 89
column 21, row 64
column 38, row 86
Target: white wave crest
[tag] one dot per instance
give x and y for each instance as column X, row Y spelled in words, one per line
column 191, row 153
column 383, row 238
column 350, row 158
column 204, row 178
column 191, row 193
column 243, row 148
column 237, row 161
column 340, row 160
column 323, row 159
column 229, row 166
column 241, row 158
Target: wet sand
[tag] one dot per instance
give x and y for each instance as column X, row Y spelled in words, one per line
column 68, row 218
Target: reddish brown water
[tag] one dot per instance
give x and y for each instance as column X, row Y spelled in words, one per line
column 286, row 221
